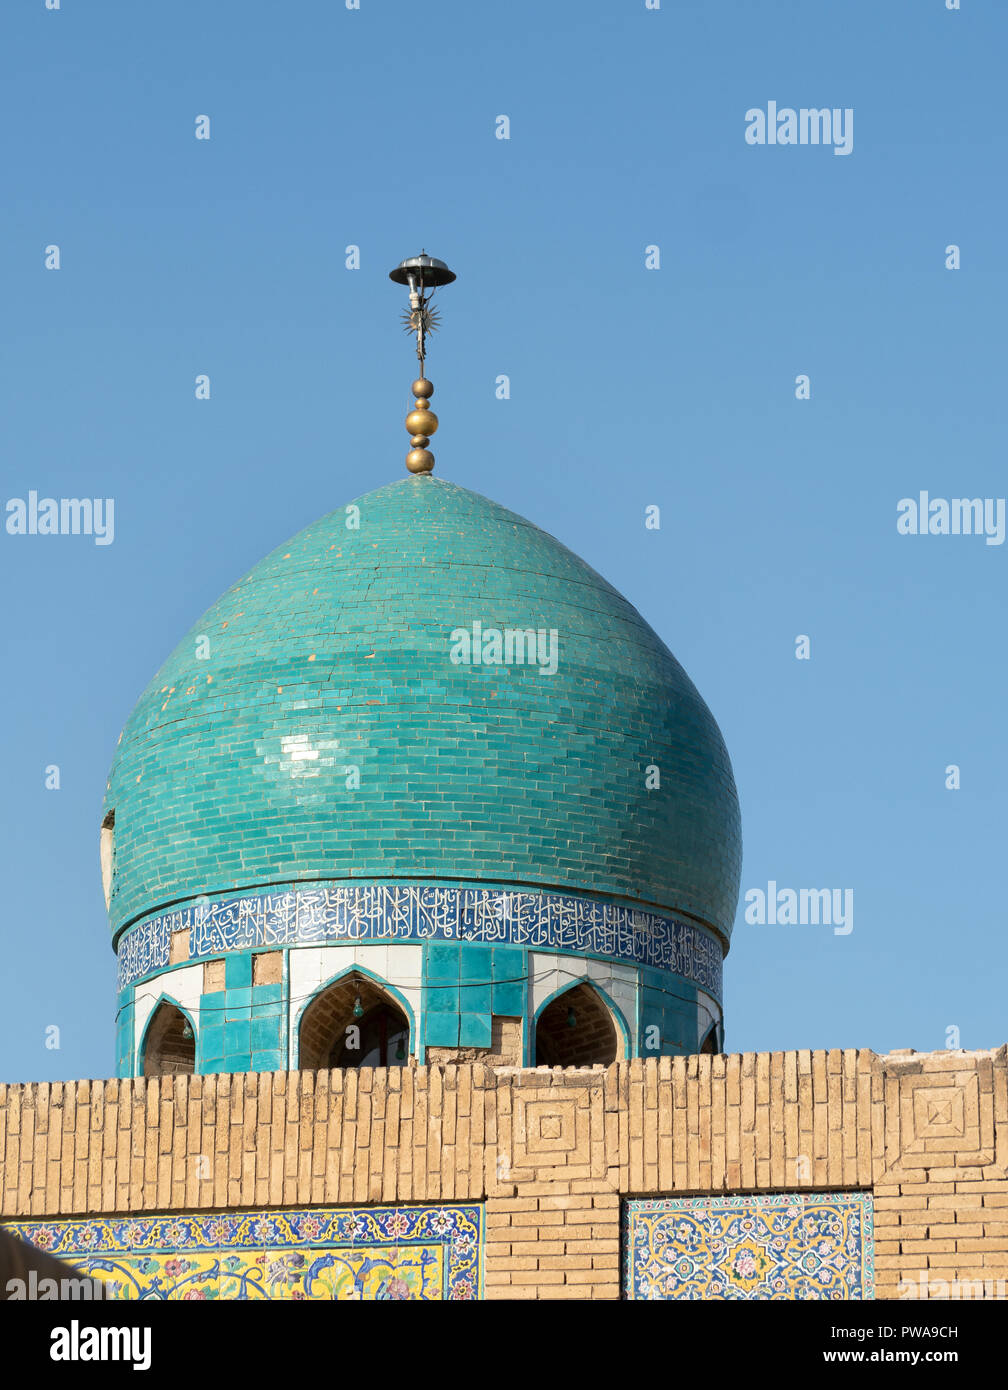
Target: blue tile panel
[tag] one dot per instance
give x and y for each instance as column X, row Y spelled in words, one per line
column 325, row 1253
column 778, row 1246
column 236, row 772
column 241, row 1028
column 669, row 1015
column 338, row 912
column 465, row 985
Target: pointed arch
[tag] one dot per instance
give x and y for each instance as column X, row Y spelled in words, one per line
column 165, row 1050
column 329, row 1034
column 598, row 1033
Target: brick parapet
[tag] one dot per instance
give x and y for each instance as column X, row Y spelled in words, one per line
column 552, row 1153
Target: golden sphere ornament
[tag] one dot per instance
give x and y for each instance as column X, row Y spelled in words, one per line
column 421, row 421
column 420, row 461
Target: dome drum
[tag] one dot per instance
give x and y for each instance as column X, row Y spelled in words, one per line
column 460, row 971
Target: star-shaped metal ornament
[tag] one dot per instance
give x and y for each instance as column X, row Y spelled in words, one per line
column 426, row 319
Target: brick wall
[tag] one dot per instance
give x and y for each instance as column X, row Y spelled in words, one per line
column 941, row 1196
column 553, row 1245
column 551, row 1152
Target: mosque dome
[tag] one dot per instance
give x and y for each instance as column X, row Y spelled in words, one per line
column 327, row 721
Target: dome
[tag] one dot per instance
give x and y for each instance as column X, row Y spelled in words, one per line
column 326, row 720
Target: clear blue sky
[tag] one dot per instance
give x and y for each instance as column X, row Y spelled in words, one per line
column 629, row 387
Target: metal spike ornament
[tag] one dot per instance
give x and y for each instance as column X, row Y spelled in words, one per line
column 422, row 274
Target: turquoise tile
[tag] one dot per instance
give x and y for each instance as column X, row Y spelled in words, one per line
column 442, row 1030
column 474, row 1030
column 508, row 963
column 265, row 1033
column 238, row 969
column 441, row 960
column 509, row 1000
column 212, row 1005
column 441, row 1001
column 237, row 1033
column 476, row 962
column 474, row 999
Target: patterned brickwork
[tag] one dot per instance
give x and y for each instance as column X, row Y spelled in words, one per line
column 551, row 1153
column 236, row 771
column 941, row 1203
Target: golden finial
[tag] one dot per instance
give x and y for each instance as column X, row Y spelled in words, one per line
column 421, row 273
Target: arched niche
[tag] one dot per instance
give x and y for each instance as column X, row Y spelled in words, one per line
column 169, row 1045
column 578, row 1028
column 353, row 1022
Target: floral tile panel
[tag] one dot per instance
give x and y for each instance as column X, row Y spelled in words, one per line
column 403, row 1252
column 789, row 1246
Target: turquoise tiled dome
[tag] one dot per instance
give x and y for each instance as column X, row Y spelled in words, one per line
column 333, row 654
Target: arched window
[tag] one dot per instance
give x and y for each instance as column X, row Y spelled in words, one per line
column 353, row 1023
column 576, row 1030
column 709, row 1045
column 169, row 1043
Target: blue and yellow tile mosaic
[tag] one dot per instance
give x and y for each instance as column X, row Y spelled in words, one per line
column 362, row 1253
column 788, row 1246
